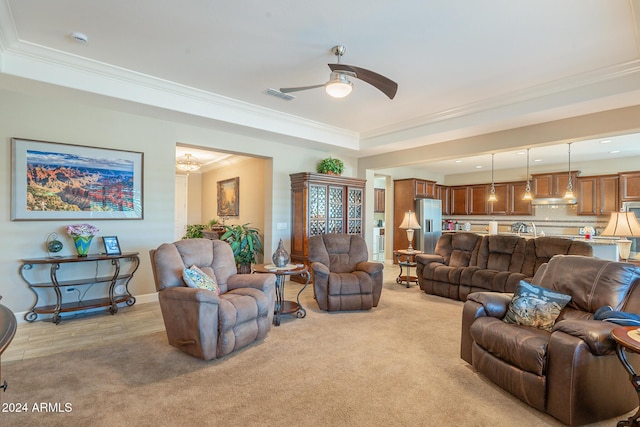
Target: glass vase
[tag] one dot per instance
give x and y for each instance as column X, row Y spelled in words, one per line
column 82, row 244
column 280, row 256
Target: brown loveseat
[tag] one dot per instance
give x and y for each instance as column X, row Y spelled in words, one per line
column 463, row 263
column 571, row 372
column 200, row 322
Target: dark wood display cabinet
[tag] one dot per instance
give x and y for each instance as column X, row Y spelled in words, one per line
column 323, row 204
column 32, row 270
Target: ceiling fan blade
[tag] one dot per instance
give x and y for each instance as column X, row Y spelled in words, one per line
column 296, row 89
column 380, row 82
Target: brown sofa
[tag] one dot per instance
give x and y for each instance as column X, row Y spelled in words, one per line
column 343, row 279
column 200, row 322
column 571, row 372
column 463, row 263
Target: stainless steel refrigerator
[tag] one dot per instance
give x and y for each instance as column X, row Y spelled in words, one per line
column 429, row 213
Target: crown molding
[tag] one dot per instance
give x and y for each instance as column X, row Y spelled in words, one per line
column 35, row 62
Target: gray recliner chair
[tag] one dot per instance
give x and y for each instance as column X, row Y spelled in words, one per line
column 343, row 278
column 200, row 322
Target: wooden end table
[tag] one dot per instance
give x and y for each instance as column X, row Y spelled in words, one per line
column 282, row 306
column 409, row 261
column 628, row 339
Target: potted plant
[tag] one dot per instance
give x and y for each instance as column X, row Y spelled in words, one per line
column 245, row 243
column 331, row 166
column 194, row 231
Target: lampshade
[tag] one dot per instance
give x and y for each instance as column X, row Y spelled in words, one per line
column 187, row 163
column 622, row 224
column 339, row 86
column 410, row 223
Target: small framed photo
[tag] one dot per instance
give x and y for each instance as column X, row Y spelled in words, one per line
column 111, row 245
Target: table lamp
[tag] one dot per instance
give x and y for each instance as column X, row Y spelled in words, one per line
column 410, row 223
column 622, row 224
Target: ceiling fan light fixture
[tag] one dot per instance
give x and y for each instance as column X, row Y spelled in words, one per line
column 339, row 86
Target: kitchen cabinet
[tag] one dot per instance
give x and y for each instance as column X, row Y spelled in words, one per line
column 597, row 195
column 552, row 184
column 444, row 193
column 517, row 206
column 378, row 200
column 477, row 197
column 501, row 205
column 509, row 195
column 629, row 186
column 323, row 204
column 425, row 189
column 458, row 200
column 469, row 199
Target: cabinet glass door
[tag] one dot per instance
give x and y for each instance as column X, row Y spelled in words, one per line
column 317, row 209
column 336, row 209
column 354, row 210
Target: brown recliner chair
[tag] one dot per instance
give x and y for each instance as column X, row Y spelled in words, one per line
column 571, row 372
column 198, row 321
column 343, row 278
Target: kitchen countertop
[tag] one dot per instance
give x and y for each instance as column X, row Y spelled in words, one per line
column 596, row 240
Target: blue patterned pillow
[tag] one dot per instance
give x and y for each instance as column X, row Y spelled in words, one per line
column 196, row 278
column 535, row 306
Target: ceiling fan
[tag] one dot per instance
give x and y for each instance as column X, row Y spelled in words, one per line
column 339, row 84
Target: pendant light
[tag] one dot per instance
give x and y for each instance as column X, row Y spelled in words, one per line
column 569, row 193
column 492, row 193
column 527, row 190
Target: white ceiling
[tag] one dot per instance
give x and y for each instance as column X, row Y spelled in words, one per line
column 463, row 67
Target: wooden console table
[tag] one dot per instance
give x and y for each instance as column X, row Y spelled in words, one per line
column 55, row 263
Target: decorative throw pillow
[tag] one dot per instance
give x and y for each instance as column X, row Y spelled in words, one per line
column 196, row 278
column 535, row 306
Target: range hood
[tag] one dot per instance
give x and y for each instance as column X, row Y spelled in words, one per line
column 550, row 201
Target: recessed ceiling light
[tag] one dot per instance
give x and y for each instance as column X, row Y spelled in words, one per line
column 537, row 160
column 458, row 161
column 614, row 151
column 520, row 152
column 605, row 141
column 479, row 167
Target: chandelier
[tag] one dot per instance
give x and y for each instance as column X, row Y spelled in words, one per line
column 187, row 163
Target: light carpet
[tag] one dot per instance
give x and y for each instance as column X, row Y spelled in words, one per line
column 395, row 365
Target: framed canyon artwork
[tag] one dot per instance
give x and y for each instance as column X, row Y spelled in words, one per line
column 55, row 181
column 228, row 197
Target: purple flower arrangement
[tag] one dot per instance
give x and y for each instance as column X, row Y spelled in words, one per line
column 85, row 230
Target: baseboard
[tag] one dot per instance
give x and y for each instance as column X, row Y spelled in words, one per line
column 140, row 299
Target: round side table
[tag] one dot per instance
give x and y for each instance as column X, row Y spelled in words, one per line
column 409, row 261
column 282, row 306
column 628, row 339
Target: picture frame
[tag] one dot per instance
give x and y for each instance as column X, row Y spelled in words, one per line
column 111, row 245
column 57, row 181
column 229, row 197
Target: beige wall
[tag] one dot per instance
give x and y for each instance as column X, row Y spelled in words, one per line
column 252, row 176
column 51, row 117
